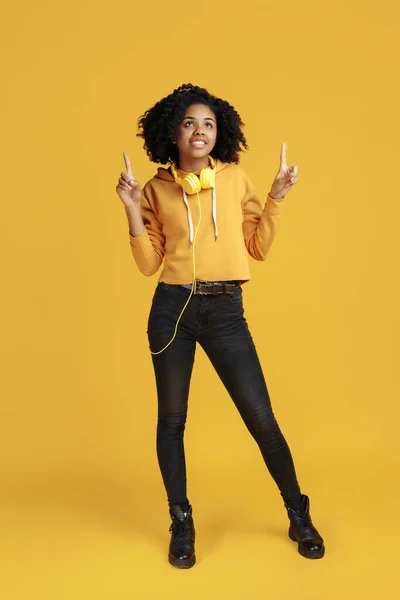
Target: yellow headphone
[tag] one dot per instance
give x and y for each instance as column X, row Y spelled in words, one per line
column 193, row 184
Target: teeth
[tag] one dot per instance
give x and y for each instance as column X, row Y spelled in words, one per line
column 198, row 143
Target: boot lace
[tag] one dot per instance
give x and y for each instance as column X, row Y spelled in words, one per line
column 300, row 519
column 180, row 528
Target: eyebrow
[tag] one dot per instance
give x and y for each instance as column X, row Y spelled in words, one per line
column 194, row 118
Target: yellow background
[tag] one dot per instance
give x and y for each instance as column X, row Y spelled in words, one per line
column 83, row 509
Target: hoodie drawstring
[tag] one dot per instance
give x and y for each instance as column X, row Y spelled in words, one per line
column 214, row 214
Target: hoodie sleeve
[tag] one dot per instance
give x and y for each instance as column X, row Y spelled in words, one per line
column 260, row 223
column 148, row 248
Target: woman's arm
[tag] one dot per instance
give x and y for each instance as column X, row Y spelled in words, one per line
column 134, row 214
column 260, row 223
column 146, row 236
column 145, row 230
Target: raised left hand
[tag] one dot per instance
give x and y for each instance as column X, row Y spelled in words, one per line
column 285, row 179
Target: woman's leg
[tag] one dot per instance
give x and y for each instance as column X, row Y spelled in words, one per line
column 173, row 368
column 228, row 344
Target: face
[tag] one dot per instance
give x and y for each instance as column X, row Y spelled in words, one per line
column 197, row 134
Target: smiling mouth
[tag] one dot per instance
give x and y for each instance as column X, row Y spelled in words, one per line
column 198, row 144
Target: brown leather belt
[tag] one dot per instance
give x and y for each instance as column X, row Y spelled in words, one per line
column 213, row 287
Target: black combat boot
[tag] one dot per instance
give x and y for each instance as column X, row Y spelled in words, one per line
column 181, row 549
column 302, row 530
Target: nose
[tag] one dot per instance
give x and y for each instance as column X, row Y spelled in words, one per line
column 199, row 130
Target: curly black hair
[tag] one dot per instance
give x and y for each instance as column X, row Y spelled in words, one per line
column 159, row 125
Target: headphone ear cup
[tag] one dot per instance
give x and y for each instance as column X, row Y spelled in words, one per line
column 191, row 184
column 207, row 178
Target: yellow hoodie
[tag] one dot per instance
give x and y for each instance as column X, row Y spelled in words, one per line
column 234, row 224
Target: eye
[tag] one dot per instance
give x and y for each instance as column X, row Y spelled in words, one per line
column 209, row 124
column 187, row 123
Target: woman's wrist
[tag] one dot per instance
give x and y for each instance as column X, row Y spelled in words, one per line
column 135, row 220
column 275, row 197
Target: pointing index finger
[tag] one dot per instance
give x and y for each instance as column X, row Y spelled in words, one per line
column 128, row 165
column 283, row 155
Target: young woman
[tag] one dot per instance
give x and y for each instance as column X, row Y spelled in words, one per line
column 198, row 297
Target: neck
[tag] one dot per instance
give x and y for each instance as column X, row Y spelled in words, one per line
column 191, row 165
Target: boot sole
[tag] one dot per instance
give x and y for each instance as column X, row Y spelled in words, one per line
column 185, row 563
column 308, row 553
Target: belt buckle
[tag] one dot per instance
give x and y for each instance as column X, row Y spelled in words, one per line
column 204, row 287
column 209, row 287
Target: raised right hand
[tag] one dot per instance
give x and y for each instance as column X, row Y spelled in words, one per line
column 128, row 189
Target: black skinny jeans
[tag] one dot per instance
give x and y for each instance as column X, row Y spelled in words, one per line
column 218, row 324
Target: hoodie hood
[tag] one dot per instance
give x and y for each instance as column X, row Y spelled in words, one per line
column 166, row 175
